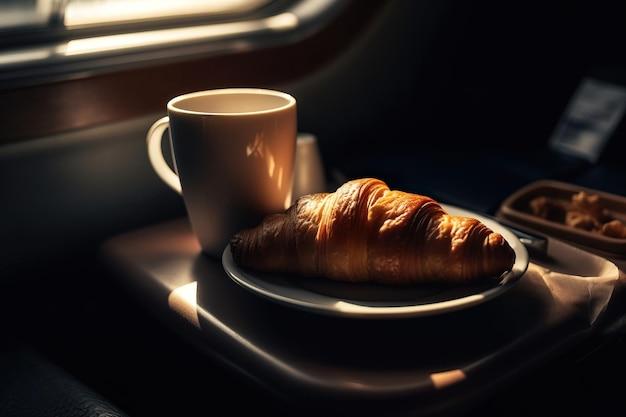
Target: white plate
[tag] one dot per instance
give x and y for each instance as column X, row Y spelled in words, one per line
column 320, row 295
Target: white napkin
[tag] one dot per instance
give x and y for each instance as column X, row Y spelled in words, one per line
column 576, row 278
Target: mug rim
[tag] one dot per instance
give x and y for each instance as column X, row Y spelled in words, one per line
column 290, row 100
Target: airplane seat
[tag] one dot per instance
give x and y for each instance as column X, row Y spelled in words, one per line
column 33, row 385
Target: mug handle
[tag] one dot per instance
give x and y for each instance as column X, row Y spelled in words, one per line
column 155, row 153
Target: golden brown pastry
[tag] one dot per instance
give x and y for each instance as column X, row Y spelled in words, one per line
column 365, row 232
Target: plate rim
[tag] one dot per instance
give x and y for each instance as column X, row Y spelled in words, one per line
column 303, row 299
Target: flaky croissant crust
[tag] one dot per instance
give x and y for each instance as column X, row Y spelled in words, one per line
column 365, row 232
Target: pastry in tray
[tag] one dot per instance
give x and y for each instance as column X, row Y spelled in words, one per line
column 365, row 232
column 584, row 216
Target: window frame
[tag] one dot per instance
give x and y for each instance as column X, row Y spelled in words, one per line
column 35, row 56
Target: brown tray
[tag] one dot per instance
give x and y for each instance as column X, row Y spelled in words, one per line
column 516, row 209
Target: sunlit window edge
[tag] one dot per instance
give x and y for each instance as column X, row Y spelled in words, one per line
column 80, row 14
column 278, row 23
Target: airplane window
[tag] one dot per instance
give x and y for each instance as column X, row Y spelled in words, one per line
column 43, row 40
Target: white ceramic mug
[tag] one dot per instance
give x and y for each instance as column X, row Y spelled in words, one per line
column 233, row 155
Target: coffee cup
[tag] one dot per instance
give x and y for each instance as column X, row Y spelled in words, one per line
column 233, row 153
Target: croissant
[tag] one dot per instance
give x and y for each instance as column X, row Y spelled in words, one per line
column 365, row 232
